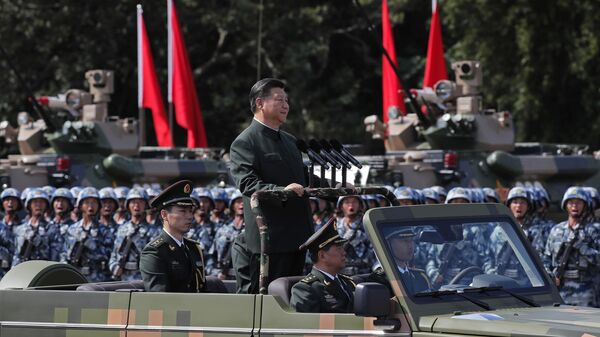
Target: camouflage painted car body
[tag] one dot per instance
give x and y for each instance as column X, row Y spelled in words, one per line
column 47, row 310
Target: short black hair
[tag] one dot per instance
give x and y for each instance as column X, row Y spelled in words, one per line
column 314, row 255
column 263, row 88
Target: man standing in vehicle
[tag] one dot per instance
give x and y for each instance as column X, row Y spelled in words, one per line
column 263, row 157
column 171, row 262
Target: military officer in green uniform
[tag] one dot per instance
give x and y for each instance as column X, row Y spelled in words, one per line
column 171, row 262
column 325, row 289
column 263, row 157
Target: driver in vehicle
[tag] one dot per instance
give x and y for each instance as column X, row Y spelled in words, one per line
column 403, row 248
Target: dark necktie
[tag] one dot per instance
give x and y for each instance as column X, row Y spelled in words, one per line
column 341, row 284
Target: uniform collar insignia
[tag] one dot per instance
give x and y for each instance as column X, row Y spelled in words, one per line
column 171, row 247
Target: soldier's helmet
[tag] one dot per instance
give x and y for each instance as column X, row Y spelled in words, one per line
column 121, row 192
column 458, row 193
column 490, row 193
column 542, row 195
column 135, row 193
column 519, row 192
column 341, row 200
column 419, row 197
column 219, row 194
column 49, row 190
column 152, row 193
column 236, row 195
column 574, row 192
column 405, row 193
column 204, row 193
column 36, row 193
column 440, row 191
column 24, row 194
column 477, row 195
column 366, row 198
column 108, row 193
column 594, row 195
column 62, row 193
column 87, row 193
column 75, row 190
column 431, row 194
column 11, row 193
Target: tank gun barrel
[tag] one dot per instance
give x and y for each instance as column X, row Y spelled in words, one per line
column 50, row 127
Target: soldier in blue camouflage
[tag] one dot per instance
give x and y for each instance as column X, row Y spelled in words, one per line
column 75, row 214
column 121, row 214
column 131, row 238
column 223, row 243
column 108, row 206
column 219, row 213
column 203, row 230
column 321, row 212
column 10, row 205
column 447, row 260
column 152, row 217
column 359, row 253
column 572, row 256
column 87, row 244
column 406, row 196
column 62, row 204
column 31, row 236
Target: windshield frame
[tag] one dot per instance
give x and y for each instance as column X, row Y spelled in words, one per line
column 376, row 219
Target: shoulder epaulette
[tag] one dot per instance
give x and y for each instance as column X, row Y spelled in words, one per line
column 348, row 279
column 310, row 278
column 157, row 242
column 191, row 241
column 417, row 270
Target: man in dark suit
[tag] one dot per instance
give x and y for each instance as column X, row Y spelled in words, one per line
column 325, row 289
column 171, row 262
column 263, row 157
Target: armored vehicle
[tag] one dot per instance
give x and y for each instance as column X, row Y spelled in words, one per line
column 52, row 299
column 77, row 142
column 450, row 139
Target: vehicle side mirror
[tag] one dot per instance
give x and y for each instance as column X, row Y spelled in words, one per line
column 371, row 300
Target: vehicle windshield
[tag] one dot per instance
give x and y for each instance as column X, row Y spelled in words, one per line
column 458, row 255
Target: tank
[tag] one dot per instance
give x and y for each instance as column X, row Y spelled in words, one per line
column 450, row 139
column 75, row 141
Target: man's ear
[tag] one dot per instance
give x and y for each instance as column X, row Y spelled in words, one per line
column 163, row 214
column 259, row 102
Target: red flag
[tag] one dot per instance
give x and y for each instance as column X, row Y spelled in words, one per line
column 182, row 89
column 149, row 95
column 392, row 98
column 435, row 69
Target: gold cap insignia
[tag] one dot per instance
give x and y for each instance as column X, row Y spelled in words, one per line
column 187, row 188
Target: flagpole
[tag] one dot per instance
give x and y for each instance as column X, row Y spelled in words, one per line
column 141, row 112
column 170, row 70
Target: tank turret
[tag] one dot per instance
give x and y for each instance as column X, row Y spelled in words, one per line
column 88, row 146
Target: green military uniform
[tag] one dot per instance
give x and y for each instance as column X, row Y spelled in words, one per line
column 319, row 291
column 166, row 265
column 266, row 159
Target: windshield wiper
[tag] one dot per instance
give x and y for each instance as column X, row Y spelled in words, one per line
column 439, row 293
column 521, row 298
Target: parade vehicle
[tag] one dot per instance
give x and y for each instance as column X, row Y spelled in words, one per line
column 449, row 138
column 41, row 298
column 74, row 141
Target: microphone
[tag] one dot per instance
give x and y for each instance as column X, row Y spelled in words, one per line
column 337, row 146
column 312, row 155
column 327, row 147
column 318, row 149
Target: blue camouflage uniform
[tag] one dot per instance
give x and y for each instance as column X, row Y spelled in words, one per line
column 221, row 249
column 31, row 242
column 578, row 280
column 359, row 253
column 139, row 235
column 88, row 249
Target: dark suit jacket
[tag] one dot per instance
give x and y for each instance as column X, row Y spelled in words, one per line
column 264, row 159
column 167, row 267
column 318, row 293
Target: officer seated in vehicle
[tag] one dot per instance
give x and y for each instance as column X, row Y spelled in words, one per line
column 403, row 247
column 171, row 262
column 324, row 289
